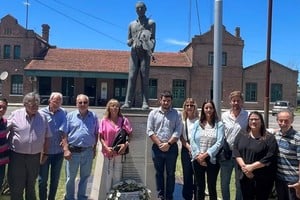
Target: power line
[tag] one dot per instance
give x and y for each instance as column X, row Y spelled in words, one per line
column 198, row 16
column 88, row 14
column 81, row 23
column 189, row 20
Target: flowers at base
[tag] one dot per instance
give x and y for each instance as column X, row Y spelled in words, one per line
column 127, row 186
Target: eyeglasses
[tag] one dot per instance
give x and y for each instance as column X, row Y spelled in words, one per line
column 254, row 119
column 190, row 105
column 82, row 102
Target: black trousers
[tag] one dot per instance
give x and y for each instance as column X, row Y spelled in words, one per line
column 23, row 171
column 211, row 171
column 284, row 192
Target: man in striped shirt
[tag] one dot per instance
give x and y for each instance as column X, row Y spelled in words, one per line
column 3, row 141
column 288, row 159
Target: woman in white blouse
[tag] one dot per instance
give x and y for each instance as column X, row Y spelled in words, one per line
column 190, row 115
column 206, row 141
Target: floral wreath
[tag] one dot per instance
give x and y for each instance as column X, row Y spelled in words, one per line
column 128, row 186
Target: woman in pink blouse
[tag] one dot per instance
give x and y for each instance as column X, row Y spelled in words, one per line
column 109, row 126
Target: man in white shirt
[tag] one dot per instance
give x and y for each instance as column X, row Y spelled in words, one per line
column 235, row 120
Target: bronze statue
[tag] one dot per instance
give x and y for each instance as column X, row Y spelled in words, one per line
column 141, row 39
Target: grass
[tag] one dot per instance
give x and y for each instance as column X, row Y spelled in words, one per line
column 232, row 183
column 61, row 186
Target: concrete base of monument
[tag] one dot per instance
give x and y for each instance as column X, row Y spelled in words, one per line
column 138, row 163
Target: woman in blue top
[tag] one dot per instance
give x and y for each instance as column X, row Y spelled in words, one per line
column 206, row 142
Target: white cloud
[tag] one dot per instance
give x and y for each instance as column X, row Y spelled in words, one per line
column 176, row 42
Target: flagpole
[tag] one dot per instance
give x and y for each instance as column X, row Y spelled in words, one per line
column 217, row 67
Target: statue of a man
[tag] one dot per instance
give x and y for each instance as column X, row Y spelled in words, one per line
column 141, row 39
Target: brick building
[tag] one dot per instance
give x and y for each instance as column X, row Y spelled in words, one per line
column 35, row 65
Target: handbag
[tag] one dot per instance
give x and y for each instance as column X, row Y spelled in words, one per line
column 224, row 153
column 121, row 138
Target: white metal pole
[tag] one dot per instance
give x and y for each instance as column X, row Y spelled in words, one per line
column 217, row 72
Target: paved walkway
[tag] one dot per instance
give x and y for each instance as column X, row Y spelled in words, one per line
column 177, row 192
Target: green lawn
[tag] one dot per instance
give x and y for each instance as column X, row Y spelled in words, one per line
column 232, row 184
column 61, row 187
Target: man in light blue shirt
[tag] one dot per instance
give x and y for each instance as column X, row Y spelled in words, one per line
column 57, row 121
column 164, row 127
column 82, row 132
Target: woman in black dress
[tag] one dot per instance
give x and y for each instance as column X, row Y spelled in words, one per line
column 255, row 152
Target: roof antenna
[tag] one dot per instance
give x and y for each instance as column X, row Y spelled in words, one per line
column 27, row 6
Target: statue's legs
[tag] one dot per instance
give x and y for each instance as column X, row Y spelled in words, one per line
column 132, row 76
column 145, row 69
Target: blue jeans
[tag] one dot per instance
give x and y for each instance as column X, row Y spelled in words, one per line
column 189, row 187
column 82, row 161
column 165, row 160
column 52, row 164
column 227, row 167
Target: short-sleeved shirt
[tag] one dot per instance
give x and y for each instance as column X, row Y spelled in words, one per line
column 27, row 136
column 289, row 155
column 82, row 131
column 58, row 125
column 164, row 124
column 4, row 150
column 263, row 150
column 108, row 131
column 232, row 126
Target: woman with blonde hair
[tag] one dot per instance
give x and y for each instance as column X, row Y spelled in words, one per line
column 111, row 123
column 190, row 115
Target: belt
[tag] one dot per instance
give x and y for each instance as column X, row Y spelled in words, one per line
column 76, row 149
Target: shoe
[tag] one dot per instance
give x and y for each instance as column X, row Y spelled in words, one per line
column 145, row 106
column 160, row 197
column 126, row 105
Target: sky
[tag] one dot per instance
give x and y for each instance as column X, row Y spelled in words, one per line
column 103, row 24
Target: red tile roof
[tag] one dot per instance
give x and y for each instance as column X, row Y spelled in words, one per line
column 100, row 60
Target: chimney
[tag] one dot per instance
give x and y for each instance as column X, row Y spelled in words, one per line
column 45, row 30
column 237, row 32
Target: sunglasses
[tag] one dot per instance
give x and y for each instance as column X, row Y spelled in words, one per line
column 190, row 105
column 82, row 102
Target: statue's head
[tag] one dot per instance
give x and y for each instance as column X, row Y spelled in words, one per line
column 140, row 8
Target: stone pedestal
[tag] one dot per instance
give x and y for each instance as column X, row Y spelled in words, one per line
column 138, row 163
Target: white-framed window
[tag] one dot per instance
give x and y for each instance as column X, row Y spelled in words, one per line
column 16, row 84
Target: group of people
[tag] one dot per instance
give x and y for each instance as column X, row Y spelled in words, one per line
column 34, row 142
column 262, row 158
